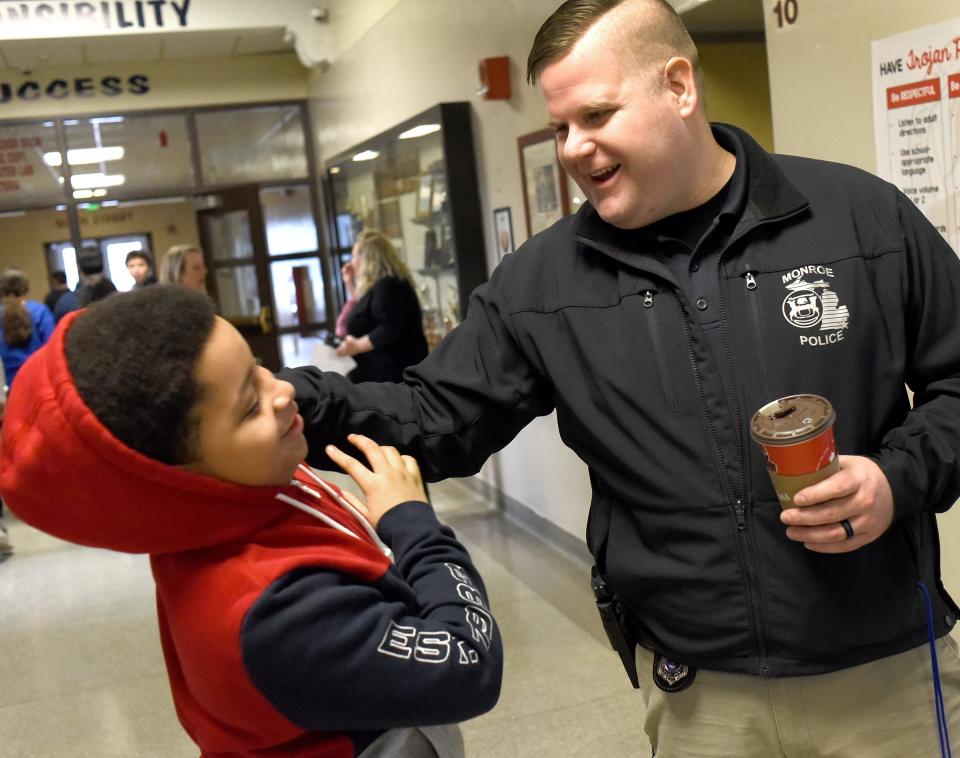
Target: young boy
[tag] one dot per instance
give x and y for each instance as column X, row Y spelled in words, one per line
column 288, row 626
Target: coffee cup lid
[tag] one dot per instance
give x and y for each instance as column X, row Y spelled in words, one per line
column 791, row 419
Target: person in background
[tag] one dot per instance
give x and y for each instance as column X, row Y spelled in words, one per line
column 58, row 288
column 296, row 620
column 385, row 325
column 140, row 267
column 349, row 274
column 25, row 324
column 655, row 321
column 184, row 265
column 94, row 284
column 6, row 548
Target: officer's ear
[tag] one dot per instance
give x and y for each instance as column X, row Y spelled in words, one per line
column 680, row 80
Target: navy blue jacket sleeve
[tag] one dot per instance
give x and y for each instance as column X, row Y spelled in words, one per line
column 416, row 648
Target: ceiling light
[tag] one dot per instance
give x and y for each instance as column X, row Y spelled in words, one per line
column 93, row 181
column 420, row 131
column 82, row 194
column 334, row 169
column 366, row 155
column 85, row 155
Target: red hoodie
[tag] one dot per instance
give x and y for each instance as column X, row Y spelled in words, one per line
column 283, row 634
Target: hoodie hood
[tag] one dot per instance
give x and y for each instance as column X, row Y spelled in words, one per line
column 65, row 473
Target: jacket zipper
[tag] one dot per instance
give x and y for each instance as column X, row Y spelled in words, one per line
column 753, row 298
column 669, row 396
column 739, row 495
column 739, row 509
column 757, row 329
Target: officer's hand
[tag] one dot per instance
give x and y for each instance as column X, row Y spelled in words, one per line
column 859, row 492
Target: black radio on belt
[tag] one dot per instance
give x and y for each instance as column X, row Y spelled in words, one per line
column 611, row 614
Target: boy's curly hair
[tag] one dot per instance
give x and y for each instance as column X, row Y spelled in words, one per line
column 133, row 358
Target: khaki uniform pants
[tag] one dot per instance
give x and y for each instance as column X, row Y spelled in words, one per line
column 883, row 709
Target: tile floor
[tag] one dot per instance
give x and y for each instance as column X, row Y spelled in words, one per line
column 82, row 673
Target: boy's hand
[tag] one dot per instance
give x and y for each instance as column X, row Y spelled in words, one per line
column 391, row 479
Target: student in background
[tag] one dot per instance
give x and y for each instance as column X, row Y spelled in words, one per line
column 6, row 549
column 58, row 288
column 140, row 267
column 94, row 284
column 25, row 324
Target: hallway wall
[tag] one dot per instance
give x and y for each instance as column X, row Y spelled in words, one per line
column 821, row 75
column 422, row 52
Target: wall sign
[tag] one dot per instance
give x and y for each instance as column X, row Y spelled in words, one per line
column 916, row 106
column 104, row 16
column 80, row 87
column 305, row 22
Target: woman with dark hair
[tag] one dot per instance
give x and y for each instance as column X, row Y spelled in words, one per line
column 385, row 325
column 25, row 324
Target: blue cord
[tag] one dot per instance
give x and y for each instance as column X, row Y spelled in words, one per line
column 938, row 692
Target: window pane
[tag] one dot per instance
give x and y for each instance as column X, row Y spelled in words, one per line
column 289, row 218
column 228, row 235
column 298, row 292
column 237, row 290
column 112, row 155
column 61, row 256
column 27, row 179
column 299, row 350
column 251, row 144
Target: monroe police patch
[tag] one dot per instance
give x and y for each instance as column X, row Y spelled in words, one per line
column 813, row 306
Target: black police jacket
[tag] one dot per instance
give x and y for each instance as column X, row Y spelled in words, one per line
column 832, row 283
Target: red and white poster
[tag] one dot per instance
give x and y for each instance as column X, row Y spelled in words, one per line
column 916, row 97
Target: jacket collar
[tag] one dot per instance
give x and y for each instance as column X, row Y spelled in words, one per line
column 770, row 197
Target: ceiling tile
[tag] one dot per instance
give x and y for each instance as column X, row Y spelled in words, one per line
column 133, row 47
column 263, row 41
column 206, row 44
column 30, row 54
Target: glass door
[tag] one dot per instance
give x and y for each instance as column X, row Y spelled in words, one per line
column 234, row 241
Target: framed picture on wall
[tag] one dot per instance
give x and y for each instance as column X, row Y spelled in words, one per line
column 545, row 198
column 503, row 228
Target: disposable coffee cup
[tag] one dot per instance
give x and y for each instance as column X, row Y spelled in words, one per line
column 796, row 436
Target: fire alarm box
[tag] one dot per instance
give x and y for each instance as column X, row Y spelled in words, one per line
column 495, row 78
